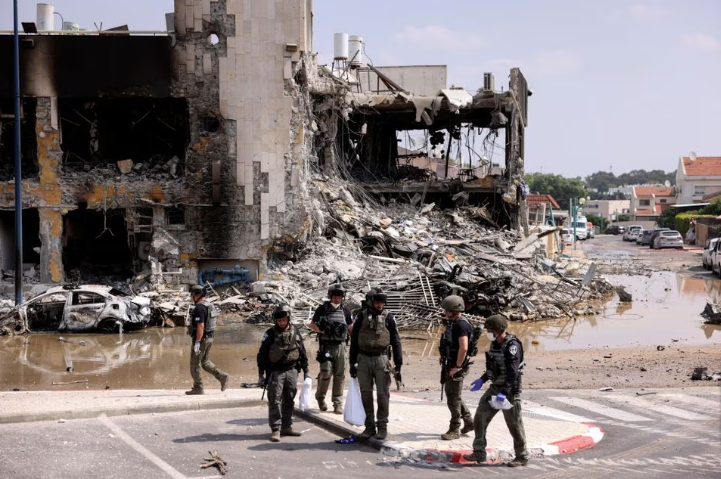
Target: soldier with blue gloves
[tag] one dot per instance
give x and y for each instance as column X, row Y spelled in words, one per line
column 504, row 362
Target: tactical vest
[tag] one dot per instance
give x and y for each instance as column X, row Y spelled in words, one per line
column 498, row 360
column 211, row 319
column 286, row 346
column 335, row 327
column 374, row 336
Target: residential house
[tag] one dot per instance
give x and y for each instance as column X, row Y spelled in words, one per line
column 539, row 207
column 648, row 202
column 608, row 209
column 696, row 178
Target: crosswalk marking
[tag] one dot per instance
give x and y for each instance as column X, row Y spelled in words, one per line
column 648, row 405
column 601, row 409
column 695, row 400
column 542, row 410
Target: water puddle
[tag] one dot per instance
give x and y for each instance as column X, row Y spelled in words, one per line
column 665, row 310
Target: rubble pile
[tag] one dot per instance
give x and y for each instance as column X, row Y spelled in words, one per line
column 418, row 255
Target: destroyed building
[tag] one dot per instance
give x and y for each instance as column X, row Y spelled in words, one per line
column 173, row 155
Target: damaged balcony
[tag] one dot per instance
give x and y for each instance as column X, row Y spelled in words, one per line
column 422, row 147
column 140, row 137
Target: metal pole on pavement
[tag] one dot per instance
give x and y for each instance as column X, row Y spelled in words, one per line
column 18, row 166
column 573, row 220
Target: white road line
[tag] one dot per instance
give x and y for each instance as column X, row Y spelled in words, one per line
column 601, row 409
column 648, row 405
column 142, row 450
column 688, row 399
column 551, row 412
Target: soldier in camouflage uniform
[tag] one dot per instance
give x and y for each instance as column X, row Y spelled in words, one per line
column 281, row 356
column 202, row 329
column 374, row 332
column 504, row 361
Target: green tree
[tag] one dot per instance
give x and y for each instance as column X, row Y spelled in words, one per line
column 561, row 188
column 712, row 209
column 601, row 181
column 599, row 221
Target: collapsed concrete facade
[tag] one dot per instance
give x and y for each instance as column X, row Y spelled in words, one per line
column 193, row 151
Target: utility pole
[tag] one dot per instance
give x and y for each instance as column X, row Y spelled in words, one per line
column 572, row 213
column 18, row 166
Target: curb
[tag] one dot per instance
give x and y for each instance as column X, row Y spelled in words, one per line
column 398, row 450
column 91, row 413
column 575, row 443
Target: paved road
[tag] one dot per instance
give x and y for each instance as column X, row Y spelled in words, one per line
column 670, row 433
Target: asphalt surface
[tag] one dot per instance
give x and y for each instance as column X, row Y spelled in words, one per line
column 665, row 433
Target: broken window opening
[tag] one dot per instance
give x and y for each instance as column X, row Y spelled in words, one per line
column 31, row 239
column 28, row 139
column 211, row 124
column 96, row 245
column 175, row 215
column 97, row 133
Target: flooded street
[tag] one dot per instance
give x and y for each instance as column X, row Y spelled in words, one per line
column 665, row 311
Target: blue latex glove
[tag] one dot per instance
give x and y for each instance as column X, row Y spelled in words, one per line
column 500, row 397
column 196, row 347
column 477, row 384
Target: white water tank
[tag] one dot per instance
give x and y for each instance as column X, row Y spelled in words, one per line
column 340, row 46
column 71, row 26
column 45, row 17
column 355, row 50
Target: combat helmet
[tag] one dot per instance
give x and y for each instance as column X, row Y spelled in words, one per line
column 497, row 322
column 454, row 304
column 281, row 311
column 336, row 289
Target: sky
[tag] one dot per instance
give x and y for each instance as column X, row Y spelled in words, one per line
column 617, row 85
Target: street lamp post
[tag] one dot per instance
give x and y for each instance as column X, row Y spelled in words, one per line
column 18, row 172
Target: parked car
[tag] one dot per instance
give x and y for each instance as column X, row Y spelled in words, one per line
column 708, row 248
column 567, row 236
column 78, row 309
column 644, row 238
column 654, row 235
column 716, row 259
column 632, row 232
column 668, row 239
column 615, row 230
column 591, row 232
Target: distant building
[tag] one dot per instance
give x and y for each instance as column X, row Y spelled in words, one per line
column 608, row 209
column 697, row 178
column 648, row 202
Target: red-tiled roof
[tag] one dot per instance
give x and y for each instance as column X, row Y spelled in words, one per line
column 654, row 191
column 702, row 166
column 535, row 200
column 711, row 196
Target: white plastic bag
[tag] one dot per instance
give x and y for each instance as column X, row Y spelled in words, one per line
column 496, row 404
column 354, row 413
column 304, row 402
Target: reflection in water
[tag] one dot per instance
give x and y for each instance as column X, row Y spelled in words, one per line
column 665, row 307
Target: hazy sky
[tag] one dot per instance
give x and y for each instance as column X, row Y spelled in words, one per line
column 616, row 84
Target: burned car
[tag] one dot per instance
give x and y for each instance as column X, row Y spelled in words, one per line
column 78, row 309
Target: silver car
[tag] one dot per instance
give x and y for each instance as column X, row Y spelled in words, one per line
column 668, row 239
column 77, row 309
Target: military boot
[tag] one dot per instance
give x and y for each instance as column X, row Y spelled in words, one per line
column 337, row 409
column 382, row 432
column 194, row 392
column 322, row 405
column 476, row 456
column 275, row 436
column 224, row 382
column 467, row 427
column 367, row 432
column 451, row 435
column 290, row 432
column 518, row 463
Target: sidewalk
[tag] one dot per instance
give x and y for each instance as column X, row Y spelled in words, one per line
column 414, row 429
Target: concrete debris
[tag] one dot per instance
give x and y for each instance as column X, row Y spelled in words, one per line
column 711, row 314
column 623, row 295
